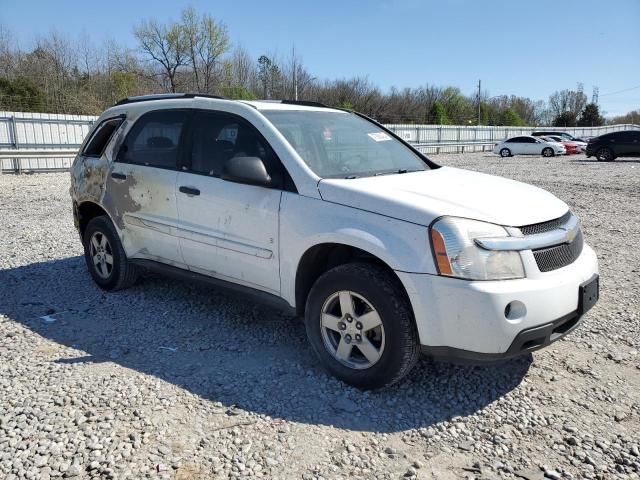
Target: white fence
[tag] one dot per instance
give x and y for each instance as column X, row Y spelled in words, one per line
column 51, row 135
column 459, row 139
column 48, row 142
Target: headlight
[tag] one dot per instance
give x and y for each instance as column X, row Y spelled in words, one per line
column 457, row 255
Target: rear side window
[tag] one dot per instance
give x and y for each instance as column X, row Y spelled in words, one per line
column 101, row 136
column 154, row 139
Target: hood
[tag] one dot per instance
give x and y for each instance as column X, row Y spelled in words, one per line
column 421, row 197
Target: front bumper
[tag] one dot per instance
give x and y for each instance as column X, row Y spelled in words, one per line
column 466, row 319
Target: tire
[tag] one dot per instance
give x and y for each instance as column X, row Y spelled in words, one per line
column 548, row 152
column 505, row 152
column 100, row 238
column 605, row 155
column 395, row 339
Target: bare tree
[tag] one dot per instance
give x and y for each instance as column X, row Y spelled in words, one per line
column 244, row 71
column 206, row 41
column 165, row 45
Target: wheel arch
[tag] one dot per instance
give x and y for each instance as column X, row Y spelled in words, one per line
column 322, row 257
column 86, row 211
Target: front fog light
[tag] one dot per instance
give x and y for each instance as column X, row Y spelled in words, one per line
column 457, row 255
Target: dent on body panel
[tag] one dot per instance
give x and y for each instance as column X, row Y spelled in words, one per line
column 88, row 179
column 120, row 197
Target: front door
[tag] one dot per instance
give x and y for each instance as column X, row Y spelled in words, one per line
column 228, row 230
column 141, row 188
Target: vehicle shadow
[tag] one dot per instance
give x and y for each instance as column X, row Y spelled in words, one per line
column 227, row 350
column 617, row 160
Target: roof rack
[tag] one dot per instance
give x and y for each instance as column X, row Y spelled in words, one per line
column 305, row 103
column 165, row 96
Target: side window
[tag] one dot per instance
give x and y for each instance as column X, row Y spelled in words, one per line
column 515, row 140
column 101, row 136
column 154, row 139
column 528, row 140
column 217, row 137
column 628, row 137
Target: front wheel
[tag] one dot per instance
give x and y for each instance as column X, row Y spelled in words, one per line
column 361, row 327
column 548, row 152
column 505, row 152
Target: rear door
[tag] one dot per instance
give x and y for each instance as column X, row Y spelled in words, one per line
column 141, row 186
column 635, row 144
column 518, row 146
column 228, row 230
column 627, row 144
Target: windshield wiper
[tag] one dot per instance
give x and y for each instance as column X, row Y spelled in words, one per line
column 400, row 170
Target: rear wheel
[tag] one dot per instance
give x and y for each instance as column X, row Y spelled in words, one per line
column 360, row 325
column 605, row 155
column 105, row 257
column 505, row 152
column 548, row 152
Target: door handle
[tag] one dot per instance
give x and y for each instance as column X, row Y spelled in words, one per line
column 189, row 191
column 118, row 176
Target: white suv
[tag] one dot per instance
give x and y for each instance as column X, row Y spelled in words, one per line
column 329, row 214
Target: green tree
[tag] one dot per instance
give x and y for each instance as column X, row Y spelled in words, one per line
column 264, row 74
column 236, row 93
column 565, row 119
column 511, row 118
column 124, row 84
column 590, row 116
column 437, row 114
column 206, row 40
column 22, row 95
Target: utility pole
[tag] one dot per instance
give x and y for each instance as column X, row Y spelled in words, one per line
column 479, row 86
column 295, row 73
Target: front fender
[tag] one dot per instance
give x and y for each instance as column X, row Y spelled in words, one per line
column 306, row 222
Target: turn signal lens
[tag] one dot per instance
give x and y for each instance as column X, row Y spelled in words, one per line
column 440, row 252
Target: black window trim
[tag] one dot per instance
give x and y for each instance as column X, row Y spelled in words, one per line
column 184, row 160
column 181, row 140
column 120, row 117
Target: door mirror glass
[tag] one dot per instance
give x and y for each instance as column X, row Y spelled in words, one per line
column 249, row 170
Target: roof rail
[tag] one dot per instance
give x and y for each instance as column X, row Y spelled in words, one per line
column 305, row 103
column 165, row 96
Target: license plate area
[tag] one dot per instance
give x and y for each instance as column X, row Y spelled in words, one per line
column 589, row 292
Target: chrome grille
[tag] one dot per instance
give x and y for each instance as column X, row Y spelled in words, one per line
column 559, row 256
column 545, row 226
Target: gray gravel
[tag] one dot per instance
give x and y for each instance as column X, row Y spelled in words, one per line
column 170, row 380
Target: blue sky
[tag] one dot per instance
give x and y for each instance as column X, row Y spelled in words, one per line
column 529, row 48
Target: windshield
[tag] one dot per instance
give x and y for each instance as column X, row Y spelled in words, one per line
column 343, row 145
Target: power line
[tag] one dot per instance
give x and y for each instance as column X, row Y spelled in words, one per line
column 620, row 91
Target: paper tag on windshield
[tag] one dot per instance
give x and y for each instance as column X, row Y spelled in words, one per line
column 379, row 136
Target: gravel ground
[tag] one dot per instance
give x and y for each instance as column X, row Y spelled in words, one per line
column 171, row 380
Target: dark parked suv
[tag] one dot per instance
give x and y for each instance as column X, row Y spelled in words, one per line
column 610, row 146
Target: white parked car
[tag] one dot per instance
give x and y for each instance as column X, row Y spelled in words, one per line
column 333, row 217
column 528, row 145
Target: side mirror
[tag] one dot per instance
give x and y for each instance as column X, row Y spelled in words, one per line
column 249, row 170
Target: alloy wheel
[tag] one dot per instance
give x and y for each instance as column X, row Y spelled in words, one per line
column 102, row 255
column 352, row 330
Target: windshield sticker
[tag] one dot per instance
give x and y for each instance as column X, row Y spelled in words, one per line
column 326, row 133
column 379, row 136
